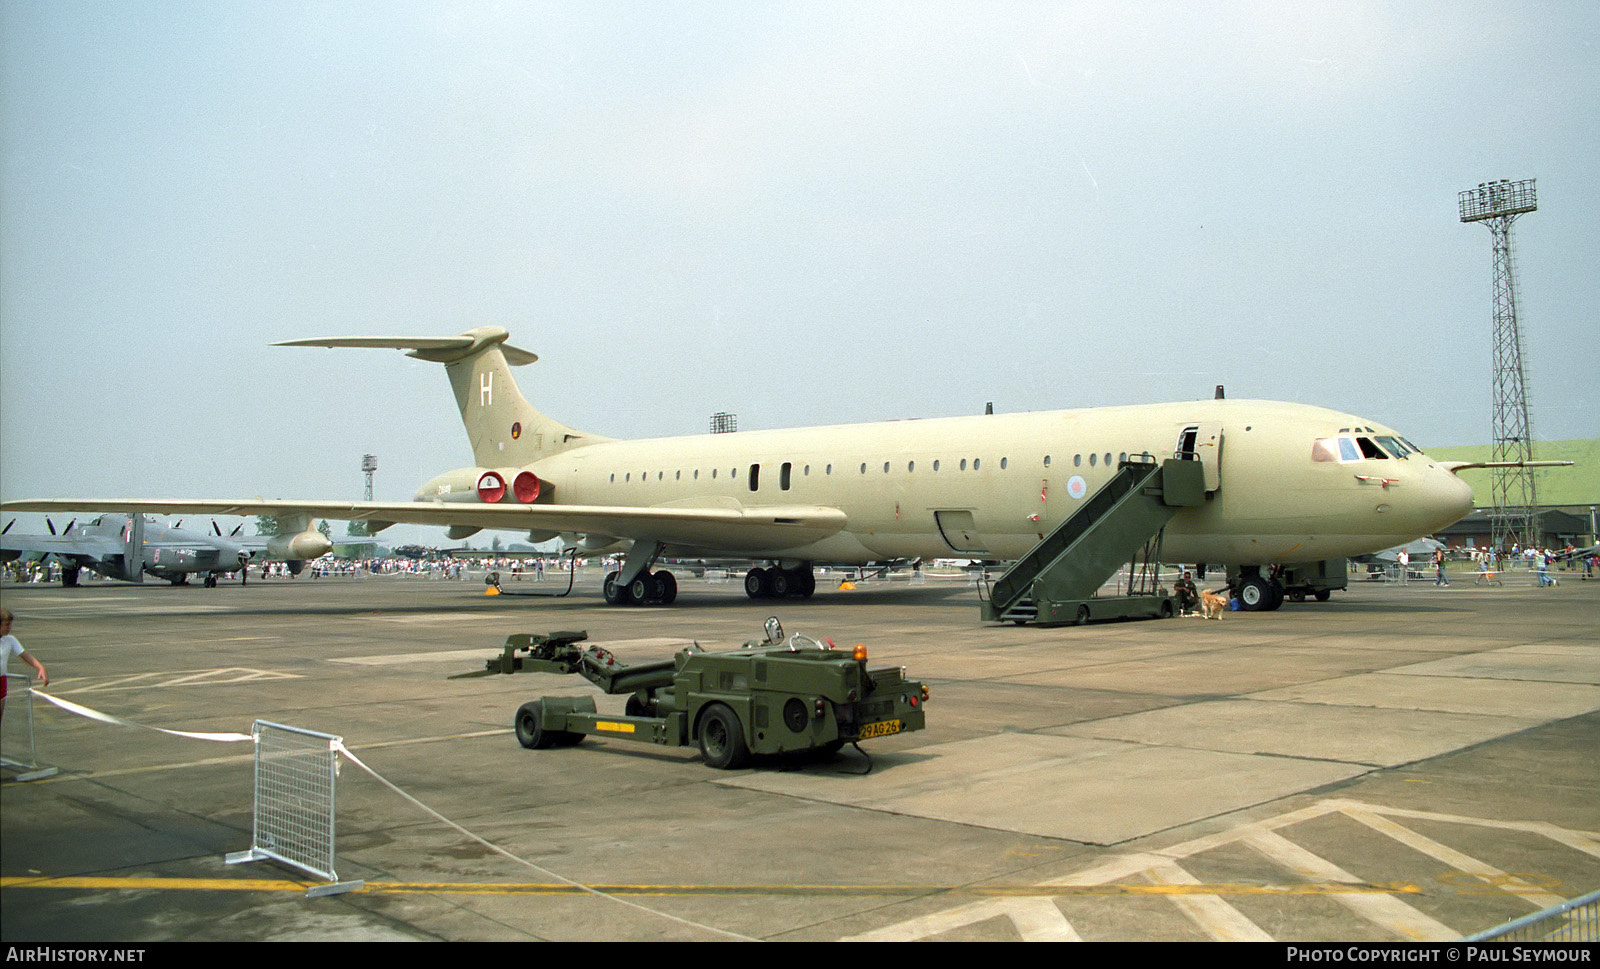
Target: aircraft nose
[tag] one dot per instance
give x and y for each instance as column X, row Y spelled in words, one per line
column 1445, row 499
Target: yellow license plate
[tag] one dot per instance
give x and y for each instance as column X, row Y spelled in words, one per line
column 881, row 729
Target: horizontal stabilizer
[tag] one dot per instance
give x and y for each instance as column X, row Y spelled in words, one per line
column 437, row 349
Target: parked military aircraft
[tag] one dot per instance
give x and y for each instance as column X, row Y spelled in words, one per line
column 1286, row 483
column 130, row 546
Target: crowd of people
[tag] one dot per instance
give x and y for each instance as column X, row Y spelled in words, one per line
column 511, row 568
column 1533, row 558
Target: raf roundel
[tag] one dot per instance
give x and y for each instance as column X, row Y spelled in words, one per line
column 1076, row 487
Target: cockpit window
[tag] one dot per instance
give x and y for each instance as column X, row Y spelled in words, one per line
column 1394, row 446
column 1371, row 451
column 1342, row 449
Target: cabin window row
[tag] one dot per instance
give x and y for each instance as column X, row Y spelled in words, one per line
column 786, row 470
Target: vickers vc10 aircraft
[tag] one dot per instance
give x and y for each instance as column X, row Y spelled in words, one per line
column 1285, row 483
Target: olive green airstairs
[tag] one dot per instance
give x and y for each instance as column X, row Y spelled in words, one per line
column 1056, row 581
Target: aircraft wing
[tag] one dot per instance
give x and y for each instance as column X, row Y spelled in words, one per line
column 14, row 545
column 731, row 527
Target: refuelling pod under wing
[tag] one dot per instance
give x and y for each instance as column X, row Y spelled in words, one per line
column 486, row 485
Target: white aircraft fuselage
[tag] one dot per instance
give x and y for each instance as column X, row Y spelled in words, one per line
column 1285, row 483
column 991, row 486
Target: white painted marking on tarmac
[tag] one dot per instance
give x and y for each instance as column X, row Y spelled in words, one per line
column 248, row 757
column 457, row 655
column 1210, row 913
column 152, row 681
column 1221, row 920
column 1036, row 920
column 1455, row 859
column 412, row 618
column 212, row 642
column 85, row 603
column 1587, row 842
column 395, row 659
column 1385, row 911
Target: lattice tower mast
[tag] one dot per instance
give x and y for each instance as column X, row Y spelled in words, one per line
column 369, row 465
column 1497, row 205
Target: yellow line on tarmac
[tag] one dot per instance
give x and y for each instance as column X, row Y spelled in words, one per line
column 683, row 891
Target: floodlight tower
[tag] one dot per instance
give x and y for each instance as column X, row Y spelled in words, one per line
column 369, row 465
column 1511, row 517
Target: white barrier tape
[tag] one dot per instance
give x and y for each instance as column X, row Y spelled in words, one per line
column 83, row 711
column 523, row 861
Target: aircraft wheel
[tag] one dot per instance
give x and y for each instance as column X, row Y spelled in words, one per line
column 780, row 582
column 69, row 577
column 616, row 593
column 641, row 589
column 722, row 739
column 802, row 582
column 756, row 584
column 666, row 591
column 1255, row 594
column 530, row 731
column 1276, row 592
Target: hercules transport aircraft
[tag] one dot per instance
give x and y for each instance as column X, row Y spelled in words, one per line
column 1285, row 484
column 129, row 547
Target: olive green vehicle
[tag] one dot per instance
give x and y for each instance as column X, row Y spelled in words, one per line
column 775, row 696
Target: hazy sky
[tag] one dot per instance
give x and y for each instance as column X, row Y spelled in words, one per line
column 803, row 213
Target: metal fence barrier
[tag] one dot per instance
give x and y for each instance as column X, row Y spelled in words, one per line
column 296, row 773
column 1574, row 921
column 20, row 753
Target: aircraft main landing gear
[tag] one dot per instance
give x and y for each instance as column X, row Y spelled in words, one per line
column 650, row 588
column 779, row 583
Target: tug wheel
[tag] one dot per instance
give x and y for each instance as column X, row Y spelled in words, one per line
column 530, row 729
column 722, row 739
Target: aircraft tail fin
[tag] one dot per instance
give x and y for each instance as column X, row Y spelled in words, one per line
column 504, row 429
column 132, row 564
